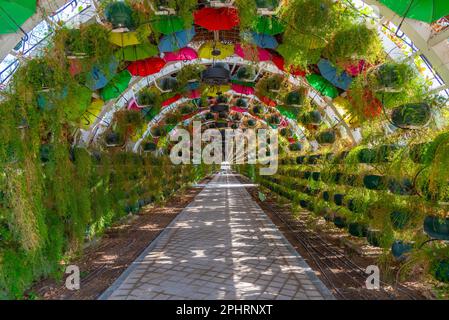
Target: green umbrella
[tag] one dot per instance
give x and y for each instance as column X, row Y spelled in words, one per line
column 269, row 25
column 322, row 85
column 424, row 10
column 289, row 112
column 117, row 85
column 137, row 52
column 168, row 24
column 14, row 13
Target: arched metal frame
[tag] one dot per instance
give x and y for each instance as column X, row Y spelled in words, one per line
column 432, row 48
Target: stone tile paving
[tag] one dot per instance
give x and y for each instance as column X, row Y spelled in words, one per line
column 221, row 246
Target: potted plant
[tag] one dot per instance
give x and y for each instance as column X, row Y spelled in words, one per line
column 340, row 221
column 326, row 137
column 149, row 146
column 312, row 117
column 286, row 132
column 411, row 116
column 167, row 84
column 295, row 98
column 189, row 76
column 300, row 159
column 441, row 270
column 400, row 219
column 326, row 195
column 400, row 249
column 245, row 73
column 436, row 227
column 148, row 98
column 373, row 182
column 357, row 229
column 241, row 103
column 367, row 155
column 120, row 15
column 295, row 147
column 338, row 199
column 374, row 237
column 219, row 108
column 251, row 123
column 257, row 110
column 403, row 186
column 390, row 77
column 217, row 74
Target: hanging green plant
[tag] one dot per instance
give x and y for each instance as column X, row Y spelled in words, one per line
column 355, row 43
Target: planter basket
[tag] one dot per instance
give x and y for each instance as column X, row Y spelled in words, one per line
column 312, row 117
column 340, row 222
column 399, row 250
column 411, row 116
column 216, row 75
column 403, row 187
column 373, row 182
column 367, row 155
column 219, row 108
column 374, row 237
column 441, row 270
column 357, row 229
column 338, row 199
column 295, row 146
column 437, row 228
column 119, row 14
column 326, row 137
column 399, row 219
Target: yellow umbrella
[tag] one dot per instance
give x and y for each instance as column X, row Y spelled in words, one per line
column 223, row 50
column 91, row 114
column 213, row 91
column 124, row 39
column 343, row 106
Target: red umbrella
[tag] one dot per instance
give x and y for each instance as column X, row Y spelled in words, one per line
column 215, row 19
column 171, row 100
column 280, row 63
column 146, row 67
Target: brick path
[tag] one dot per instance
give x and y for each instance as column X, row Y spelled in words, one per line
column 221, row 246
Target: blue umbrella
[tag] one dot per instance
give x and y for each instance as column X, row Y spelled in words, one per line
column 264, row 40
column 100, row 75
column 329, row 72
column 176, row 41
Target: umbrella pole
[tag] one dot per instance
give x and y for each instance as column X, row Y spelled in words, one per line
column 404, row 16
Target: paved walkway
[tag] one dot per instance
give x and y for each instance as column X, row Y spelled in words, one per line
column 221, row 246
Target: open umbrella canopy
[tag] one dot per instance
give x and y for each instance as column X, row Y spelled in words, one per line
column 183, row 54
column 252, row 53
column 176, row 41
column 117, row 85
column 137, row 52
column 92, row 113
column 124, row 39
column 269, row 25
column 215, row 50
column 279, row 61
column 213, row 91
column 322, row 85
column 424, row 10
column 329, row 72
column 240, row 89
column 263, row 40
column 100, row 75
column 215, row 19
column 14, row 13
column 146, row 67
column 168, row 24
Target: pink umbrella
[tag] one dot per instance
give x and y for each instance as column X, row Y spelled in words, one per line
column 356, row 68
column 132, row 105
column 183, row 54
column 252, row 53
column 237, row 109
column 243, row 89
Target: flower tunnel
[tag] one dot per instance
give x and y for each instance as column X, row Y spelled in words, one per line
column 87, row 122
